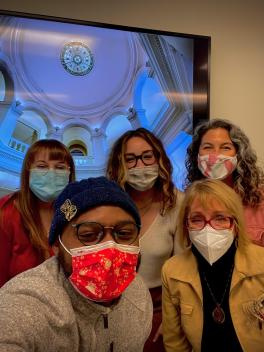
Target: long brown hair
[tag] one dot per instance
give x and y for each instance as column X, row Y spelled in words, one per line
column 248, row 177
column 116, row 168
column 27, row 203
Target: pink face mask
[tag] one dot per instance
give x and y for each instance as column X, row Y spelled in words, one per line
column 103, row 271
column 217, row 167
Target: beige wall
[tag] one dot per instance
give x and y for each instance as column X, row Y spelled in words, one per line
column 237, row 56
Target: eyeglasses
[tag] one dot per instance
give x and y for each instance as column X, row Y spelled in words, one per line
column 218, row 222
column 90, row 233
column 147, row 158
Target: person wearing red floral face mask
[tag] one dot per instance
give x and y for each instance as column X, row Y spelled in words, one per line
column 221, row 150
column 89, row 296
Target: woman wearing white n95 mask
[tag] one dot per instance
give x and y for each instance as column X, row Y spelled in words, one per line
column 220, row 150
column 138, row 162
column 213, row 297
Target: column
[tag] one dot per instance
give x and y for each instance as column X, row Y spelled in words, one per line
column 4, row 107
column 54, row 133
column 133, row 118
column 99, row 146
column 141, row 114
column 8, row 122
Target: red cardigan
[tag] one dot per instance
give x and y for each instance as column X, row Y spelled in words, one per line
column 16, row 251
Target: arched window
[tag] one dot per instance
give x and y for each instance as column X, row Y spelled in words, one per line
column 77, row 148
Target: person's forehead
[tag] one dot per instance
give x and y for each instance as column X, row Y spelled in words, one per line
column 105, row 214
column 135, row 144
column 215, row 135
column 45, row 155
column 209, row 204
column 42, row 154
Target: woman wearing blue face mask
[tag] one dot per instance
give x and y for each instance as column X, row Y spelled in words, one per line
column 25, row 215
column 213, row 297
column 221, row 150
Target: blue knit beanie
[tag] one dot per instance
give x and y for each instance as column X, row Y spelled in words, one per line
column 77, row 197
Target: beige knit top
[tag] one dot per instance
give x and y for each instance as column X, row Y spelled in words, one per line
column 158, row 244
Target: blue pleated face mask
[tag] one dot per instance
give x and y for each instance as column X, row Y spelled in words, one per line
column 48, row 184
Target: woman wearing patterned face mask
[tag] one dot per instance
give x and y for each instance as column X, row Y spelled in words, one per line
column 138, row 162
column 221, row 150
column 213, row 297
column 25, row 215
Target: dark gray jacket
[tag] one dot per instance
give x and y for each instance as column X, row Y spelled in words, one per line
column 40, row 311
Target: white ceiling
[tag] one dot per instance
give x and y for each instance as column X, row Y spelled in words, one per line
column 35, row 48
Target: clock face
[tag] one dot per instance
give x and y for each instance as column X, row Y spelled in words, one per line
column 77, row 58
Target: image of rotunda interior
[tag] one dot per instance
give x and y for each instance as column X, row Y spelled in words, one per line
column 85, row 86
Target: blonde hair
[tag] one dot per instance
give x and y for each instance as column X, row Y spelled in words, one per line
column 205, row 191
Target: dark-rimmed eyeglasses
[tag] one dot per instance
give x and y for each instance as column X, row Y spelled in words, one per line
column 218, row 222
column 147, row 157
column 90, row 233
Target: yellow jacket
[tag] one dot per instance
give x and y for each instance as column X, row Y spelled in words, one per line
column 182, row 301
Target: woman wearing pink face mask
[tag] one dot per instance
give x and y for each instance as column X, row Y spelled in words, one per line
column 139, row 164
column 220, row 150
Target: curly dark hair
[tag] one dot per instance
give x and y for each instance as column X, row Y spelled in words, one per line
column 116, row 169
column 248, row 178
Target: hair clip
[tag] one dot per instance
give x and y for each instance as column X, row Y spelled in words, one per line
column 68, row 209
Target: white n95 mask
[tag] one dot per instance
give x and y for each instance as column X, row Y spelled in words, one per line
column 212, row 244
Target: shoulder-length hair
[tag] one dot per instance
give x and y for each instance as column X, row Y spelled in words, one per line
column 248, row 178
column 206, row 191
column 25, row 200
column 116, row 167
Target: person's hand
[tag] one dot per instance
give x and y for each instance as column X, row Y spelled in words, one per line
column 158, row 333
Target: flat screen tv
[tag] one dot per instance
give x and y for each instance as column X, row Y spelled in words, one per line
column 86, row 83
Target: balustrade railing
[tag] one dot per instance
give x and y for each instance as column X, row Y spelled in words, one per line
column 18, row 145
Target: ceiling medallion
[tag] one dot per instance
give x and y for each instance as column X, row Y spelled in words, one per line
column 77, row 58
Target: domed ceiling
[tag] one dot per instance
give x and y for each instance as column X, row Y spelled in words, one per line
column 73, row 70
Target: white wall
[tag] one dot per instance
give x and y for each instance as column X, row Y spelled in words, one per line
column 237, row 56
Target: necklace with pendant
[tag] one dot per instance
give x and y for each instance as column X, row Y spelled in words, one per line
column 218, row 313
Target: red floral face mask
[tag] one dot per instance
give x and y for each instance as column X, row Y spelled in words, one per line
column 103, row 271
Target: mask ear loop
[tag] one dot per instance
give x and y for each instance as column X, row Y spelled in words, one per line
column 63, row 245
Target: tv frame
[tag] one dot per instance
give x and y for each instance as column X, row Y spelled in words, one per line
column 201, row 57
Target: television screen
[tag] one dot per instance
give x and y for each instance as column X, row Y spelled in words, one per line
column 87, row 83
